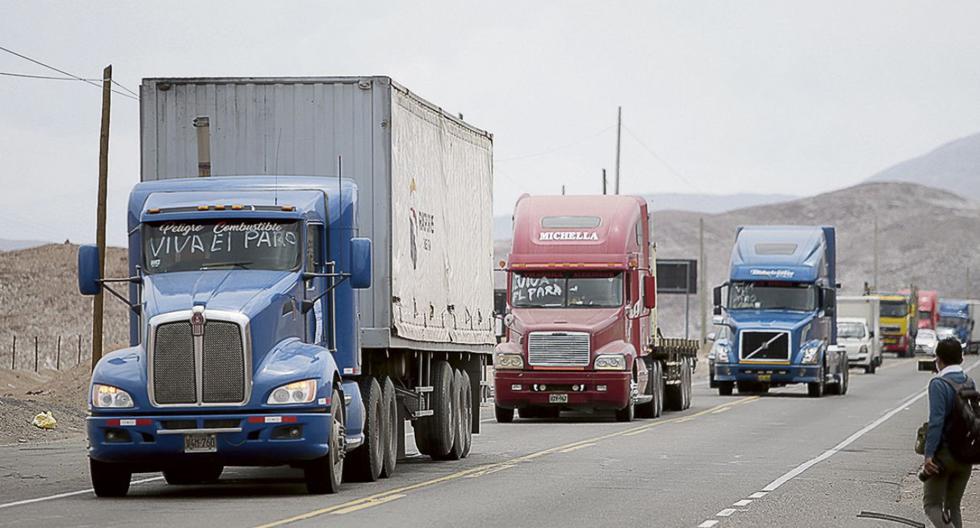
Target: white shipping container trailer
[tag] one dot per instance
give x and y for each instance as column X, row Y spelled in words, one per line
column 868, row 309
column 425, row 188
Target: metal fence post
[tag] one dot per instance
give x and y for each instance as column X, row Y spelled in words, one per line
column 79, row 361
column 13, row 355
column 35, row 353
column 58, row 361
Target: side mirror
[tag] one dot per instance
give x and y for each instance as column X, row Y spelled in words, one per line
column 829, row 302
column 88, row 270
column 716, row 299
column 649, row 292
column 871, row 334
column 718, row 320
column 360, row 263
column 711, row 337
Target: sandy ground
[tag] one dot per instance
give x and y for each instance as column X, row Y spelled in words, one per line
column 23, row 394
column 912, row 493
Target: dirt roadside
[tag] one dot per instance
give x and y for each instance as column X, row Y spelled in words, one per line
column 23, row 394
column 911, row 493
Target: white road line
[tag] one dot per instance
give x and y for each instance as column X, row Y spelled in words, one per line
column 68, row 494
column 758, row 495
column 743, row 502
column 708, row 524
column 727, row 512
column 795, row 472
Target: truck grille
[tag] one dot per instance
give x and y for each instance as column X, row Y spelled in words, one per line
column 765, row 346
column 558, row 349
column 889, row 329
column 218, row 358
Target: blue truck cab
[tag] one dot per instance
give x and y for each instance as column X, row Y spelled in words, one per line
column 957, row 315
column 244, row 342
column 781, row 312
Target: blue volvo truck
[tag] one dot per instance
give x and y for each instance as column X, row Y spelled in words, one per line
column 781, row 311
column 295, row 297
column 960, row 316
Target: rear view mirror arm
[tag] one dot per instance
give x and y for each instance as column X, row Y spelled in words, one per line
column 133, row 280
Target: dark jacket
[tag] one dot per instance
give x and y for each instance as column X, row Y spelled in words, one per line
column 941, row 404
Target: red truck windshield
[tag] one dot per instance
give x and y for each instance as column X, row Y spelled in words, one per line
column 222, row 244
column 544, row 290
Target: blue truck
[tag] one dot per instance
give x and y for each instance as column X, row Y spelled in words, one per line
column 781, row 312
column 295, row 296
column 960, row 316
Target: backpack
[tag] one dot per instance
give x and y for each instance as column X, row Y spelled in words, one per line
column 962, row 430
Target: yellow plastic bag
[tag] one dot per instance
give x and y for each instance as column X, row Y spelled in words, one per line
column 45, row 420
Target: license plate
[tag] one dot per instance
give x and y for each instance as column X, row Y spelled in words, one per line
column 200, row 443
column 557, row 398
column 765, row 377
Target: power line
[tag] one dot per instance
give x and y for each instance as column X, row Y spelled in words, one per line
column 662, row 161
column 63, row 72
column 44, row 77
column 124, row 88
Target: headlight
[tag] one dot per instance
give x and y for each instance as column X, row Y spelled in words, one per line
column 508, row 362
column 810, row 353
column 610, row 362
column 864, row 349
column 721, row 353
column 295, row 392
column 109, row 397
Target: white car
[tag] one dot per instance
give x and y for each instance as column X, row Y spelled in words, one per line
column 926, row 341
column 858, row 340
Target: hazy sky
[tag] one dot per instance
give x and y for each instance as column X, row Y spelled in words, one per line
column 736, row 96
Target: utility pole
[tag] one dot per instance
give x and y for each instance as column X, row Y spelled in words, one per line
column 703, row 282
column 874, row 282
column 619, row 133
column 603, row 181
column 97, row 308
column 563, row 190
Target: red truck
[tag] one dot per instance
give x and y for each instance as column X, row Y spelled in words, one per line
column 928, row 309
column 581, row 327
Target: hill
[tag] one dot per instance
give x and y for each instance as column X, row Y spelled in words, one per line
column 13, row 245
column 954, row 166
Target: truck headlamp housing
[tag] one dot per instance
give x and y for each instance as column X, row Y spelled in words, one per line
column 721, row 353
column 109, row 397
column 810, row 353
column 610, row 362
column 295, row 392
column 508, row 362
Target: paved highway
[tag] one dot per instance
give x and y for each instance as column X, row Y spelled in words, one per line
column 738, row 461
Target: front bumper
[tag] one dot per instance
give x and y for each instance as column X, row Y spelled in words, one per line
column 616, row 396
column 780, row 374
column 858, row 359
column 894, row 343
column 150, row 443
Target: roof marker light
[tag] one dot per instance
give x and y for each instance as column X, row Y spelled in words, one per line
column 288, row 208
column 219, row 207
column 154, row 210
column 202, row 208
column 237, row 207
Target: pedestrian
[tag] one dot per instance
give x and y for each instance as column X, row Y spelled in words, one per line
column 946, row 477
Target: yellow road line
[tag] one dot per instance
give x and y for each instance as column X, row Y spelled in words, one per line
column 486, row 469
column 570, row 449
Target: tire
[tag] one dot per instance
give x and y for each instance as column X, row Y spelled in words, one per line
column 188, row 475
column 649, row 409
column 364, row 463
column 658, row 397
column 441, row 425
column 845, row 381
column 109, row 480
column 870, row 369
column 459, row 436
column 687, row 381
column 726, row 388
column 627, row 413
column 816, row 389
column 323, row 475
column 503, row 415
column 746, row 387
column 389, row 428
column 674, row 394
column 467, row 390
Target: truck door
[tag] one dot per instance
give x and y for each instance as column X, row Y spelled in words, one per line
column 316, row 317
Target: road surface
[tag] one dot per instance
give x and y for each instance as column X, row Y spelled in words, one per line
column 780, row 459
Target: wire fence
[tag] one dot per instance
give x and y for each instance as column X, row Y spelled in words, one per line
column 47, row 352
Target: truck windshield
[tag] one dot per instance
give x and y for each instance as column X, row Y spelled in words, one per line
column 772, row 296
column 222, row 244
column 953, row 322
column 925, row 315
column 850, row 330
column 594, row 290
column 894, row 308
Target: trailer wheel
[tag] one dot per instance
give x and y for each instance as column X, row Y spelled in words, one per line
column 188, row 475
column 459, row 440
column 323, row 474
column 503, row 414
column 467, row 391
column 389, row 428
column 726, row 388
column 441, row 425
column 109, row 480
column 686, row 382
column 364, row 463
column 658, row 394
column 678, row 395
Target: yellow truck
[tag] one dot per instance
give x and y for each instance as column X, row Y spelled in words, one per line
column 898, row 323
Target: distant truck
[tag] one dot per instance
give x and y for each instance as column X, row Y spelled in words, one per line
column 961, row 317
column 858, row 330
column 266, row 328
column 581, row 328
column 782, row 311
column 928, row 309
column 898, row 323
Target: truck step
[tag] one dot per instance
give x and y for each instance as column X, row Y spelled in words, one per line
column 420, row 414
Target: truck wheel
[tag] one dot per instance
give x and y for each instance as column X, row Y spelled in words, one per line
column 389, row 428
column 109, row 480
column 323, row 474
column 816, row 389
column 364, row 463
column 442, row 428
column 188, row 475
column 627, row 413
column 686, row 383
column 456, row 449
column 467, row 391
column 503, row 415
column 649, row 409
column 725, row 388
column 870, row 369
column 658, row 394
column 674, row 394
column 845, row 380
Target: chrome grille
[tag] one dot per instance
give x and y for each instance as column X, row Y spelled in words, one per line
column 558, row 349
column 765, row 346
column 174, row 370
column 223, row 363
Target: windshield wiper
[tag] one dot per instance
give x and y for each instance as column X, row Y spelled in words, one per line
column 239, row 265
